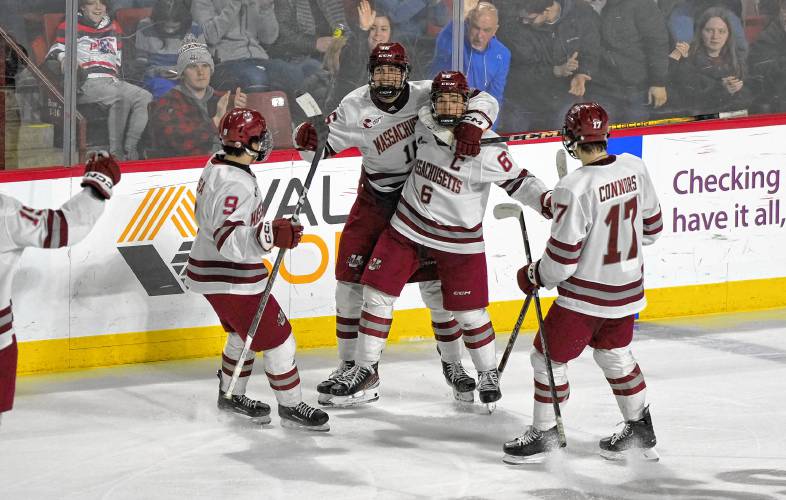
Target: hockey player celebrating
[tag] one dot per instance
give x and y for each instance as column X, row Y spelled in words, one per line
column 379, row 119
column 225, row 265
column 603, row 213
column 22, row 226
column 440, row 214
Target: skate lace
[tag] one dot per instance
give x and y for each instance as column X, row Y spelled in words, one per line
column 622, row 434
column 456, row 371
column 246, row 401
column 530, row 436
column 351, row 376
column 343, row 367
column 488, row 380
column 305, row 410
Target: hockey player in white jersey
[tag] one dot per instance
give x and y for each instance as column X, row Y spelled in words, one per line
column 22, row 227
column 225, row 265
column 380, row 120
column 440, row 214
column 603, row 213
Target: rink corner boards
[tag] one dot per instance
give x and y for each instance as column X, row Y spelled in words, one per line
column 141, row 347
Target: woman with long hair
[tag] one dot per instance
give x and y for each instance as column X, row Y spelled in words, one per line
column 712, row 76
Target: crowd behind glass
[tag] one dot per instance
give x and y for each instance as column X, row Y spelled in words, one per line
column 155, row 76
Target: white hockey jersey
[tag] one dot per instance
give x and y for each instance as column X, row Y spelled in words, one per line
column 444, row 200
column 386, row 139
column 603, row 214
column 226, row 256
column 22, row 226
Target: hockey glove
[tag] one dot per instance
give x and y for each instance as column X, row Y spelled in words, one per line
column 528, row 278
column 467, row 139
column 102, row 173
column 305, row 137
column 282, row 233
column 545, row 205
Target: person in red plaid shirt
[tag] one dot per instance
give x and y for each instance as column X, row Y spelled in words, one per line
column 184, row 121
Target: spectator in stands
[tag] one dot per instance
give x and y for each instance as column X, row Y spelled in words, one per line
column 374, row 27
column 410, row 17
column 682, row 17
column 712, row 76
column 768, row 63
column 99, row 50
column 236, row 31
column 486, row 59
column 556, row 48
column 184, row 122
column 634, row 64
column 158, row 41
column 131, row 4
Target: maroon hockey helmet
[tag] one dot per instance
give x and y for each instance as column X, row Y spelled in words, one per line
column 584, row 122
column 449, row 82
column 241, row 127
column 389, row 54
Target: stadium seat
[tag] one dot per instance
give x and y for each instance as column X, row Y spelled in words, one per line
column 754, row 26
column 274, row 106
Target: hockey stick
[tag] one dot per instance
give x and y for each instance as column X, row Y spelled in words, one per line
column 546, row 134
column 505, row 210
column 311, row 109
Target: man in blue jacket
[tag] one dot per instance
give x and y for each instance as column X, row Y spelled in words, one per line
column 486, row 59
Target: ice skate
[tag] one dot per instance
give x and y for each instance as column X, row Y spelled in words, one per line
column 635, row 440
column 459, row 380
column 488, row 388
column 358, row 385
column 243, row 405
column 303, row 416
column 531, row 447
column 325, row 398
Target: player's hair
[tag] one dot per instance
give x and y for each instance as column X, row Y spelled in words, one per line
column 593, row 147
column 233, row 151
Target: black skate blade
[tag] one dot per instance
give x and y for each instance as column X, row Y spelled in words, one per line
column 633, row 454
column 290, row 424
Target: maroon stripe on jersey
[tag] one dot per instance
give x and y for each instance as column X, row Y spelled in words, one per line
column 403, row 218
column 630, row 392
column 50, row 221
column 652, row 220
column 63, row 228
column 548, row 400
column 229, row 373
column 565, row 246
column 448, row 338
column 627, row 378
column 602, row 287
column 5, row 311
column 225, row 264
column 225, row 279
column 508, row 184
column 478, row 330
column 231, row 361
column 31, row 219
column 650, row 232
column 542, row 393
column 287, row 387
column 346, row 335
column 600, row 302
column 560, row 259
column 427, row 221
column 5, row 327
column 368, row 322
column 222, row 233
column 382, row 175
column 545, row 387
column 376, row 319
column 374, row 333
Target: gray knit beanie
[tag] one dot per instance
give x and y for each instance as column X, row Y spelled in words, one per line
column 193, row 51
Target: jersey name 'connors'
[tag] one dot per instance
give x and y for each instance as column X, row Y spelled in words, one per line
column 617, row 188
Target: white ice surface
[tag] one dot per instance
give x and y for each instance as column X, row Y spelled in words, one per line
column 716, row 385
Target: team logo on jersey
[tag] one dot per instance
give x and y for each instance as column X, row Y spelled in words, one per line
column 371, row 121
column 355, row 261
column 374, row 264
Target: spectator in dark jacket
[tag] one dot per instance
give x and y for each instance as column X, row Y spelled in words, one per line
column 486, row 59
column 767, row 63
column 184, row 122
column 683, row 16
column 374, row 27
column 158, row 41
column 634, row 64
column 555, row 47
column 712, row 77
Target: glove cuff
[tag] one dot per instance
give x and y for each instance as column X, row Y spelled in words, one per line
column 102, row 183
column 476, row 118
column 533, row 275
column 265, row 235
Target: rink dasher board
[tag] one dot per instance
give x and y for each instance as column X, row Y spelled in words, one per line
column 117, row 297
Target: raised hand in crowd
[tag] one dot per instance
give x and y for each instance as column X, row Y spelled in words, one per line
column 656, row 96
column 578, row 84
column 567, row 69
column 223, row 104
column 732, row 84
column 366, row 15
column 680, row 51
